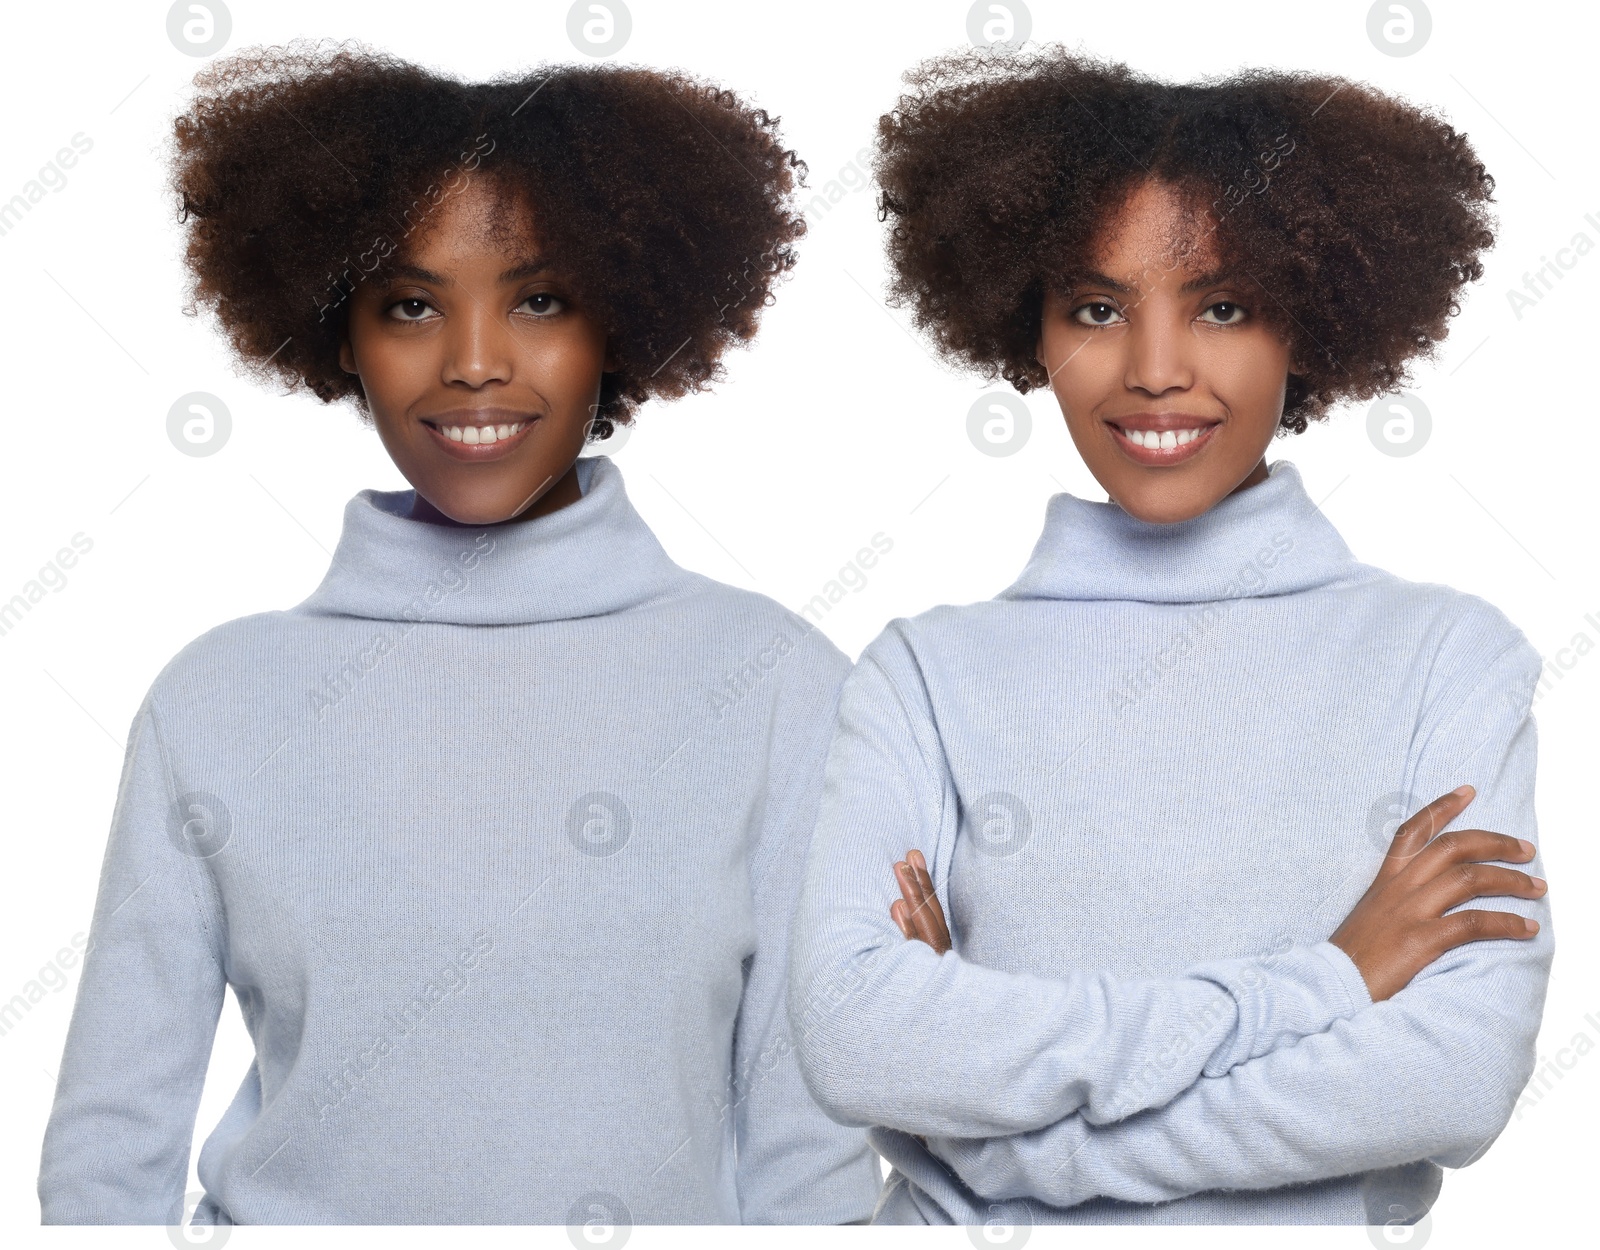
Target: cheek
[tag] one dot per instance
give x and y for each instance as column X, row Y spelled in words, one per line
column 1082, row 368
column 1249, row 373
column 570, row 359
column 392, row 369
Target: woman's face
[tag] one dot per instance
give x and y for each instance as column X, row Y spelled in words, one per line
column 1171, row 384
column 480, row 371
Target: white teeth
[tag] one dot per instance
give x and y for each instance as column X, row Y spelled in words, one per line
column 1163, row 438
column 480, row 433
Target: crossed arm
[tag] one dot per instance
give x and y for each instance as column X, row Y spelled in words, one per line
column 1430, row 1073
column 886, row 1028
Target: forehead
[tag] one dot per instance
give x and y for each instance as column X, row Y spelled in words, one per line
column 1154, row 230
column 479, row 216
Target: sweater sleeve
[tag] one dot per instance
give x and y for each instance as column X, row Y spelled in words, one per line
column 116, row 1149
column 1433, row 1072
column 892, row 1034
column 795, row 1165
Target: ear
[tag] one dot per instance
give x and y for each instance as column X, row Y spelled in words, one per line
column 611, row 362
column 347, row 354
column 1038, row 344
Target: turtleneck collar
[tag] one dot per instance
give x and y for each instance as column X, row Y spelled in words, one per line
column 592, row 557
column 1268, row 539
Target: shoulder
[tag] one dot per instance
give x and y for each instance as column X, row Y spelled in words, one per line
column 1462, row 625
column 1467, row 643
column 226, row 657
column 907, row 644
column 750, row 621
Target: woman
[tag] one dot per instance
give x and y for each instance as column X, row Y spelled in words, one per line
column 1153, row 774
column 498, row 869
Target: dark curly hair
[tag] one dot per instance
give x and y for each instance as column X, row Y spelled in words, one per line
column 666, row 202
column 1359, row 216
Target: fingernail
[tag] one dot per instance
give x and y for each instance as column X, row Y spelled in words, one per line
column 1540, row 883
column 1527, row 847
column 1529, row 925
column 1461, row 792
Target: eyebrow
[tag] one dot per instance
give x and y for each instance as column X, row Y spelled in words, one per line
column 525, row 269
column 1094, row 278
column 1205, row 280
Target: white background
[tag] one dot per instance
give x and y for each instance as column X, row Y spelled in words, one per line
column 835, row 425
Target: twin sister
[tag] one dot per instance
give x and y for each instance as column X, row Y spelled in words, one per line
column 1149, row 891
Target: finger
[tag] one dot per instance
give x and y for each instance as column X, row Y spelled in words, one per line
column 919, row 917
column 1473, row 925
column 1419, row 829
column 1473, row 880
column 897, row 912
column 930, row 917
column 1461, row 846
column 920, row 867
column 917, row 885
column 931, row 898
column 907, row 880
column 935, row 911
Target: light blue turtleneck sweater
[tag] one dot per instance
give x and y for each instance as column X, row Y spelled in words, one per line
column 497, row 838
column 1150, row 779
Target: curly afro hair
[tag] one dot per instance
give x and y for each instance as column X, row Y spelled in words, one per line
column 1359, row 216
column 666, row 202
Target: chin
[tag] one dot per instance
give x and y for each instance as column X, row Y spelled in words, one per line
column 1165, row 505
column 473, row 508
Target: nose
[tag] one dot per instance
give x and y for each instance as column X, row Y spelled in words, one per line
column 1159, row 347
column 478, row 348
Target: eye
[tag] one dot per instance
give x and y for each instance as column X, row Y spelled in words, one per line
column 543, row 304
column 1226, row 312
column 409, row 305
column 1096, row 313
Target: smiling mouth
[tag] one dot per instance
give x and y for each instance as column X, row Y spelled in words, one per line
column 474, row 441
column 1155, row 440
column 476, row 434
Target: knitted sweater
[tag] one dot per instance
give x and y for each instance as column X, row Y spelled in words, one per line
column 1150, row 779
column 496, row 838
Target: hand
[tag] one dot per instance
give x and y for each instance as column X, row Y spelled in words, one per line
column 917, row 911
column 1399, row 926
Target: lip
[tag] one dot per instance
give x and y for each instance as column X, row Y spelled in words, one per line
column 474, row 453
column 1161, row 422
